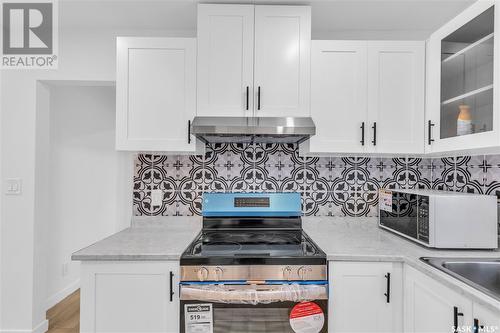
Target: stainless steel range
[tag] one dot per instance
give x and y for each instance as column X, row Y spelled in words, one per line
column 253, row 269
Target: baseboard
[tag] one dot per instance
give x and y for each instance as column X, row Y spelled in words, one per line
column 62, row 294
column 40, row 328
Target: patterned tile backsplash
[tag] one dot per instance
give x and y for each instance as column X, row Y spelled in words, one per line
column 334, row 186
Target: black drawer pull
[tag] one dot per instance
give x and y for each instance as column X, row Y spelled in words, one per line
column 258, row 98
column 189, row 131
column 374, row 133
column 248, row 92
column 171, row 286
column 429, row 132
column 388, row 292
column 362, row 133
column 456, row 314
column 477, row 327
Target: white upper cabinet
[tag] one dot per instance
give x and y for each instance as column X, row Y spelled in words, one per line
column 282, row 60
column 462, row 83
column 253, row 60
column 225, row 60
column 155, row 94
column 367, row 97
column 338, row 96
column 396, row 72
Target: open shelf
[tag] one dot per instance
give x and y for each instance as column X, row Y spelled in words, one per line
column 468, row 94
column 481, row 111
column 470, row 47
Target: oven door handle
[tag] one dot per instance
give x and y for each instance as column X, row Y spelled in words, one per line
column 254, row 294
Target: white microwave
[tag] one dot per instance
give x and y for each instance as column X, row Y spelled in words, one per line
column 441, row 219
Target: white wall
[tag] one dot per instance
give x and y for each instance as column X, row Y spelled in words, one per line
column 84, row 171
column 85, row 55
column 41, row 207
column 1, row 192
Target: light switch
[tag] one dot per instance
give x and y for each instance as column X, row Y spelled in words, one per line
column 156, row 197
column 13, row 186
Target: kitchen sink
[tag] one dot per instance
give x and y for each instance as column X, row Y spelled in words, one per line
column 480, row 273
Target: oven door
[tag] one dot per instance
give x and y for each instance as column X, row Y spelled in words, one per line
column 269, row 308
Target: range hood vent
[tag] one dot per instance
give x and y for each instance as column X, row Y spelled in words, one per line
column 253, row 129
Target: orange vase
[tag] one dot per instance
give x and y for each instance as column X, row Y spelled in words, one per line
column 464, row 121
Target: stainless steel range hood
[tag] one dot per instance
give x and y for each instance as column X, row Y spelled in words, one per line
column 253, row 129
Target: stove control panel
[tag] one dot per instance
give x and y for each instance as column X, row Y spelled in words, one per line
column 219, row 273
column 254, row 273
column 251, row 202
column 202, row 274
column 303, row 272
column 287, row 273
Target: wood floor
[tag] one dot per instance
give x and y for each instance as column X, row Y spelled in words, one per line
column 64, row 317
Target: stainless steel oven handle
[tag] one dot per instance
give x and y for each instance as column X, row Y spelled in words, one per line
column 253, row 294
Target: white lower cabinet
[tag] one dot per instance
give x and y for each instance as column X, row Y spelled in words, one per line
column 129, row 297
column 486, row 320
column 124, row 296
column 358, row 302
column 365, row 297
column 431, row 307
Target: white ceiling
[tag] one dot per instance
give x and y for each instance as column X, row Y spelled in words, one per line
column 411, row 19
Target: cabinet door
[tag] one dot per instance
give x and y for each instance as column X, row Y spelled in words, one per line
column 129, row 297
column 338, row 96
column 462, row 81
column 396, row 97
column 358, row 301
column 485, row 319
column 430, row 306
column 225, row 60
column 282, row 60
column 155, row 94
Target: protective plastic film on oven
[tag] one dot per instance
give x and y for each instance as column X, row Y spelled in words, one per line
column 281, row 308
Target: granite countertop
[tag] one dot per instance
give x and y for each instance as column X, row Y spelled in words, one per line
column 342, row 239
column 360, row 239
column 149, row 238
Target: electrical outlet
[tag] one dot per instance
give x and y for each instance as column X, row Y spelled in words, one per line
column 65, row 269
column 13, row 186
column 156, row 197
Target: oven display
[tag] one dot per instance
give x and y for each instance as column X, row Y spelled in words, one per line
column 251, row 202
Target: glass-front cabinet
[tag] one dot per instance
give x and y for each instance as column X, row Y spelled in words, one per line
column 461, row 98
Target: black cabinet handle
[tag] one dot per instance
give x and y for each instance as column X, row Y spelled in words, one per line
column 476, row 327
column 455, row 319
column 258, row 98
column 171, row 286
column 248, row 92
column 362, row 133
column 189, row 131
column 388, row 290
column 374, row 141
column 429, row 133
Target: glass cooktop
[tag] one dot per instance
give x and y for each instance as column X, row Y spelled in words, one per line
column 242, row 246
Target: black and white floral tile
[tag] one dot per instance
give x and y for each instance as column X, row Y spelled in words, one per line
column 330, row 186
